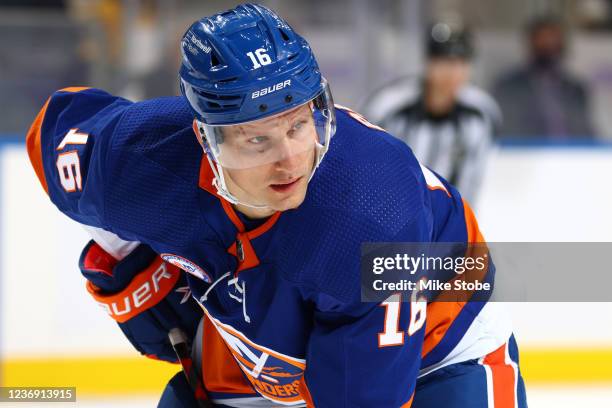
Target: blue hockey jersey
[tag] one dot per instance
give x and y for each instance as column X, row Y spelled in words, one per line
column 284, row 320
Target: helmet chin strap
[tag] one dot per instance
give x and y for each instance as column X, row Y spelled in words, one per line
column 223, row 191
column 221, row 186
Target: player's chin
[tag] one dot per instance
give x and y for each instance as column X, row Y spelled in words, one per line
column 283, row 202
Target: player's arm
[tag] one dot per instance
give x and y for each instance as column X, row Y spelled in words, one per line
column 68, row 146
column 72, row 147
column 365, row 355
column 454, row 221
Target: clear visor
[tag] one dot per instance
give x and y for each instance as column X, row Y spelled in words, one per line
column 272, row 139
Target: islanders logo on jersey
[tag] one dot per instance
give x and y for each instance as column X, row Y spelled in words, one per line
column 187, row 266
column 274, row 376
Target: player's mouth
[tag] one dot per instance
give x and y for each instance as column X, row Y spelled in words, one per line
column 286, row 186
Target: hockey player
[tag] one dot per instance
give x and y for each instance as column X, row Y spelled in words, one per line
column 447, row 122
column 267, row 223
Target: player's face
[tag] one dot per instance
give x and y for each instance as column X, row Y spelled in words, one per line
column 285, row 143
column 448, row 74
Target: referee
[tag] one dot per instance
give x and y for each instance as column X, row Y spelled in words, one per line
column 448, row 123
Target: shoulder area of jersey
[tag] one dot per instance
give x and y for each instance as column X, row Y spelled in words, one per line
column 357, row 116
column 366, row 170
column 368, row 150
column 94, row 110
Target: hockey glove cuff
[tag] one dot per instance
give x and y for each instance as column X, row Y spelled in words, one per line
column 145, row 295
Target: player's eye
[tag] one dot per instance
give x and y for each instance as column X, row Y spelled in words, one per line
column 258, row 140
column 297, row 126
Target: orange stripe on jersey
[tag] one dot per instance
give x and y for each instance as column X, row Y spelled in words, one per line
column 74, row 89
column 305, row 393
column 34, row 148
column 262, row 229
column 502, row 375
column 229, row 210
column 434, row 188
column 206, row 183
column 33, row 140
column 359, row 117
column 220, row 371
column 206, row 177
column 409, row 403
column 248, row 258
column 477, row 249
column 432, row 181
column 265, row 227
column 441, row 314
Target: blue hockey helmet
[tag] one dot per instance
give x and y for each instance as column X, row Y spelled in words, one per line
column 244, row 65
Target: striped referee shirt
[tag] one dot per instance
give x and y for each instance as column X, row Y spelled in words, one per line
column 455, row 145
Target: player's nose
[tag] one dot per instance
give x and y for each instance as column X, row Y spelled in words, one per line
column 288, row 155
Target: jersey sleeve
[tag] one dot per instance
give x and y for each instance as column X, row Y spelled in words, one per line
column 448, row 322
column 68, row 146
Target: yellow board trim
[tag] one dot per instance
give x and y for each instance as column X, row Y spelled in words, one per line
column 552, row 366
column 119, row 375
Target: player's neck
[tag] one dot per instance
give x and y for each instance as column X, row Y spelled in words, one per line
column 253, row 213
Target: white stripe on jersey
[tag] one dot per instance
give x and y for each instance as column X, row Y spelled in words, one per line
column 489, row 374
column 110, row 242
column 489, row 330
column 514, row 366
